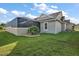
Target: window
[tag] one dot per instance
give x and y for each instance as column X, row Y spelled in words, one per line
column 45, row 25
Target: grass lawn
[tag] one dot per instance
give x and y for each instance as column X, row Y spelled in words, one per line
column 62, row 44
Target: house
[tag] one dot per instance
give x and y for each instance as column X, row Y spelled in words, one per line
column 51, row 23
column 69, row 25
column 76, row 27
column 54, row 23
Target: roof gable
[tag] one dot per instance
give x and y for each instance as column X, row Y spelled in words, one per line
column 54, row 15
column 49, row 17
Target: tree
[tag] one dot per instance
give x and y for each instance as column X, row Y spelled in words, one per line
column 1, row 27
column 2, row 24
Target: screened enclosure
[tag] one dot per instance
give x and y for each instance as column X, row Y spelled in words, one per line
column 22, row 22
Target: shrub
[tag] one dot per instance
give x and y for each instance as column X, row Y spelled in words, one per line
column 2, row 24
column 33, row 30
column 68, row 30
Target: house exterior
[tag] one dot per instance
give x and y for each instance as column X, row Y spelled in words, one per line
column 69, row 25
column 51, row 23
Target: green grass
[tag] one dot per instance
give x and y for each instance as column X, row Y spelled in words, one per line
column 61, row 44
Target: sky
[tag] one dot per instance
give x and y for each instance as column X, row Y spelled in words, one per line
column 8, row 11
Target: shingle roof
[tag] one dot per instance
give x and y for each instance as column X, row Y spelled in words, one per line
column 54, row 15
column 48, row 17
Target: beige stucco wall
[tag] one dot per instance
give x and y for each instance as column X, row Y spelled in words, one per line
column 41, row 27
column 11, row 30
column 17, row 31
column 50, row 27
column 63, row 26
column 22, row 31
column 57, row 27
column 69, row 26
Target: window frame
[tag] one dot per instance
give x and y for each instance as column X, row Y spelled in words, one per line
column 46, row 26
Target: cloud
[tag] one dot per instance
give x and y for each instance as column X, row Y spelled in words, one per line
column 31, row 16
column 65, row 14
column 3, row 11
column 49, row 11
column 35, row 4
column 18, row 13
column 74, row 20
column 44, row 8
column 54, row 7
column 41, row 6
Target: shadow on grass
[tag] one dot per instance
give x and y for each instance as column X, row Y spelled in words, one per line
column 7, row 49
column 6, row 38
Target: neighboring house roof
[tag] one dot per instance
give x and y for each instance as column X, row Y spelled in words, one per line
column 68, row 22
column 22, row 22
column 77, row 25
